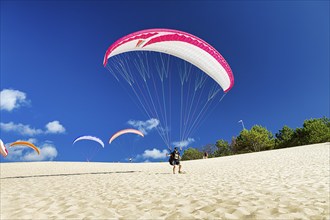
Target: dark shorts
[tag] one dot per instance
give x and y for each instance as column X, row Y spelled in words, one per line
column 176, row 162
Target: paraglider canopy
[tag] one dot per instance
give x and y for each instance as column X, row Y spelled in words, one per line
column 3, row 149
column 180, row 44
column 91, row 138
column 125, row 131
column 173, row 76
column 27, row 144
column 90, row 151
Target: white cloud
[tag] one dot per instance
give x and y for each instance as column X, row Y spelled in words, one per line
column 54, row 127
column 144, row 126
column 183, row 143
column 21, row 153
column 19, row 128
column 11, row 99
column 155, row 154
column 14, row 153
column 32, row 140
column 47, row 152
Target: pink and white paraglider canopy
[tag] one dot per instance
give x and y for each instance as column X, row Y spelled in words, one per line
column 3, row 150
column 180, row 44
column 125, row 131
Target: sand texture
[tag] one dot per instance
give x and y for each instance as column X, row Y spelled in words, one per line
column 291, row 183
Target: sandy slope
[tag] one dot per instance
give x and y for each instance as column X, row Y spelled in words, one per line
column 290, row 183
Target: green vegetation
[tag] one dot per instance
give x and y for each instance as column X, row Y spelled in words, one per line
column 223, row 149
column 258, row 138
column 284, row 137
column 192, row 154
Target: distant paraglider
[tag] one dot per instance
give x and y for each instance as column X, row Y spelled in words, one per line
column 89, row 151
column 3, row 149
column 91, row 138
column 125, row 131
column 27, row 144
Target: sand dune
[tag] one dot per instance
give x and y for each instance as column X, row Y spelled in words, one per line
column 290, row 183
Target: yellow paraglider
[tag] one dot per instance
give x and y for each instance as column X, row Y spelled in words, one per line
column 25, row 143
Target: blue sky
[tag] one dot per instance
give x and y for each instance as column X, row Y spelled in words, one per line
column 54, row 87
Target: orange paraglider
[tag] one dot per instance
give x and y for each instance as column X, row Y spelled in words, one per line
column 25, row 143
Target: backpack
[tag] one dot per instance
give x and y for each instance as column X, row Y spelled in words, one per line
column 171, row 160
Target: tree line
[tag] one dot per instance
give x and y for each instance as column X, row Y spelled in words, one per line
column 258, row 138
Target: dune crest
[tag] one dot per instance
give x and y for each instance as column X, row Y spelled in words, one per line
column 291, row 183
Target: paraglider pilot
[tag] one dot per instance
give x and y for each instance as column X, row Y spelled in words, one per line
column 175, row 159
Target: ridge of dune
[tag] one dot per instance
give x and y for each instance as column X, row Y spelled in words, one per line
column 278, row 184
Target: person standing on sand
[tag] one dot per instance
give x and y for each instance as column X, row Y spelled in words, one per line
column 175, row 159
column 206, row 155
